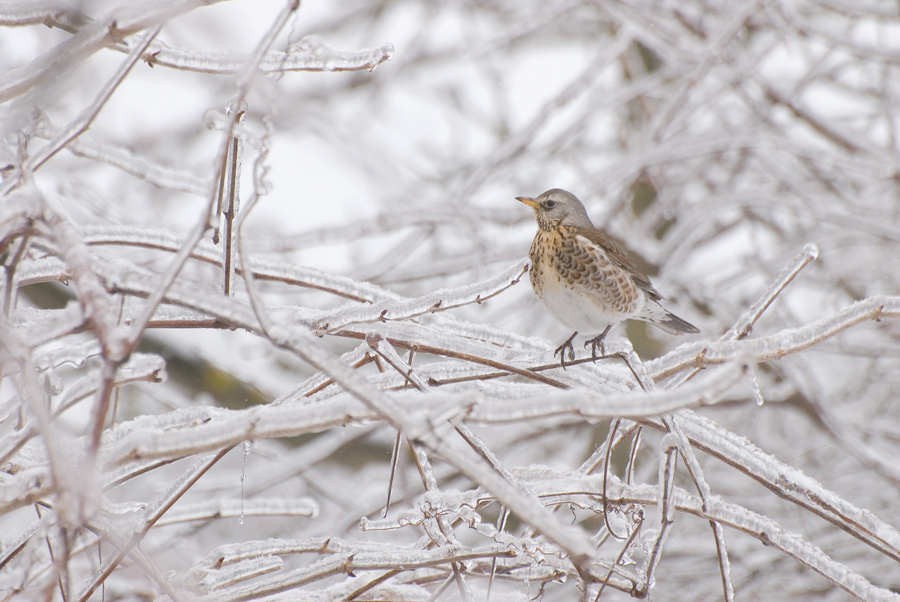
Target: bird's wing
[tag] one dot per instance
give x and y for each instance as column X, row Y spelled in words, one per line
column 618, row 257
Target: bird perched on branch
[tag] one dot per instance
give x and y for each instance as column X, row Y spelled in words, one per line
column 584, row 280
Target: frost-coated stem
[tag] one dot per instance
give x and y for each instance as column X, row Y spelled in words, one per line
column 436, row 438
column 437, row 301
column 390, row 355
column 744, row 325
column 150, row 517
column 84, row 121
column 733, row 516
column 776, row 346
column 274, row 61
column 229, row 201
column 665, row 487
column 670, row 420
column 119, row 24
column 789, row 482
column 203, row 224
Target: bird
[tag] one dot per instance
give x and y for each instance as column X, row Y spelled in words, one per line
column 584, row 280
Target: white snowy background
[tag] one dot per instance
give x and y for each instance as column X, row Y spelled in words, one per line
column 173, row 429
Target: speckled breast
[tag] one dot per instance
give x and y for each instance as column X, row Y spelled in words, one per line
column 578, row 284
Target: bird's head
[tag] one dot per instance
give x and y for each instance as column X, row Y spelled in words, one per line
column 557, row 207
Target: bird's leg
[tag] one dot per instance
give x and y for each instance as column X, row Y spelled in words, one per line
column 598, row 340
column 561, row 350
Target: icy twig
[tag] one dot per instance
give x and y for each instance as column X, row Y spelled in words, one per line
column 244, row 81
column 409, row 337
column 234, row 575
column 778, row 345
column 744, row 325
column 121, row 23
column 320, row 58
column 223, row 508
column 669, row 447
column 670, row 420
column 51, row 14
column 84, row 121
column 352, row 560
column 437, row 301
column 228, row 203
column 377, row 344
column 139, row 167
column 150, row 517
column 789, row 482
column 730, row 515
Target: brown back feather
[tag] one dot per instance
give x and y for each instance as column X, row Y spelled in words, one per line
column 618, row 257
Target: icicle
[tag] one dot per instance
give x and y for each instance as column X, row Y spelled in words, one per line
column 247, row 444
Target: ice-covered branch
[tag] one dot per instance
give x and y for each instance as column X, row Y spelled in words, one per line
column 347, row 561
column 51, row 14
column 263, row 269
column 144, row 169
column 221, row 508
column 744, row 324
column 286, row 420
column 437, row 301
column 765, row 529
column 789, row 482
column 776, row 346
column 311, row 57
column 119, row 24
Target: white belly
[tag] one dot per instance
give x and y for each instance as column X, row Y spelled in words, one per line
column 580, row 311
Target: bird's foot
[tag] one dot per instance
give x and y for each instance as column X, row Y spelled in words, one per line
column 561, row 350
column 597, row 341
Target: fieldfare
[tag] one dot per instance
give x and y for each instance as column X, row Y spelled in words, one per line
column 584, row 280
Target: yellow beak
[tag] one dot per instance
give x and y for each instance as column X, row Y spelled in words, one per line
column 528, row 201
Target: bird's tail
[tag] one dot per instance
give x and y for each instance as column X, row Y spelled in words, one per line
column 675, row 325
column 657, row 315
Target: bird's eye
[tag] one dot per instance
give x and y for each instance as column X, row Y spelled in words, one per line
column 549, row 204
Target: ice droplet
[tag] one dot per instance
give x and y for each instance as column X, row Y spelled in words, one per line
column 812, row 250
column 753, row 383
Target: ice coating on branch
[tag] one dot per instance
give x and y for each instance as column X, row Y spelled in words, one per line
column 75, row 354
column 233, row 509
column 264, row 269
column 436, row 301
column 39, row 270
column 812, row 250
column 215, row 120
column 754, row 384
column 203, row 580
column 311, row 53
column 135, row 164
column 316, row 47
column 776, row 346
column 318, row 55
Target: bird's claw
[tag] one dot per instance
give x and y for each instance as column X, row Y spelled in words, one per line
column 561, row 350
column 597, row 341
